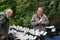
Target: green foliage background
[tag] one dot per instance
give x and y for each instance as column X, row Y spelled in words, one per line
column 24, row 9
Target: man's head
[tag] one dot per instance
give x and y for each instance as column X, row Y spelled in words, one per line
column 40, row 10
column 9, row 12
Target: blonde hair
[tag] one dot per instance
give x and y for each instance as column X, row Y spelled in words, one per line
column 9, row 10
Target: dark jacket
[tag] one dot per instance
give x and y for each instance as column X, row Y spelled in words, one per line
column 4, row 23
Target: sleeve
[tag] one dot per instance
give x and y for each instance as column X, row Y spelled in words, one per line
column 33, row 22
column 46, row 20
column 3, row 13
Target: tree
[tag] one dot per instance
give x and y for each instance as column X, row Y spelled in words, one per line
column 24, row 9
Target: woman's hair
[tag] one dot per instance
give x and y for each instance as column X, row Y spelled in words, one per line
column 9, row 10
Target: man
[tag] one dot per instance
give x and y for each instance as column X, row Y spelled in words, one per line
column 39, row 20
column 4, row 22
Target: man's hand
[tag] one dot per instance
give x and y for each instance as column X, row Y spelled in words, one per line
column 41, row 22
column 38, row 22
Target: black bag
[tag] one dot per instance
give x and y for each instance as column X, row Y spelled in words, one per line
column 51, row 34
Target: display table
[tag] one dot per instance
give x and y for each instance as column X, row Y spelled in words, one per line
column 53, row 38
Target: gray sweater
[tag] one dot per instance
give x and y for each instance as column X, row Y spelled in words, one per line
column 35, row 18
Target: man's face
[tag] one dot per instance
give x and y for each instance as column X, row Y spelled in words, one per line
column 39, row 11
